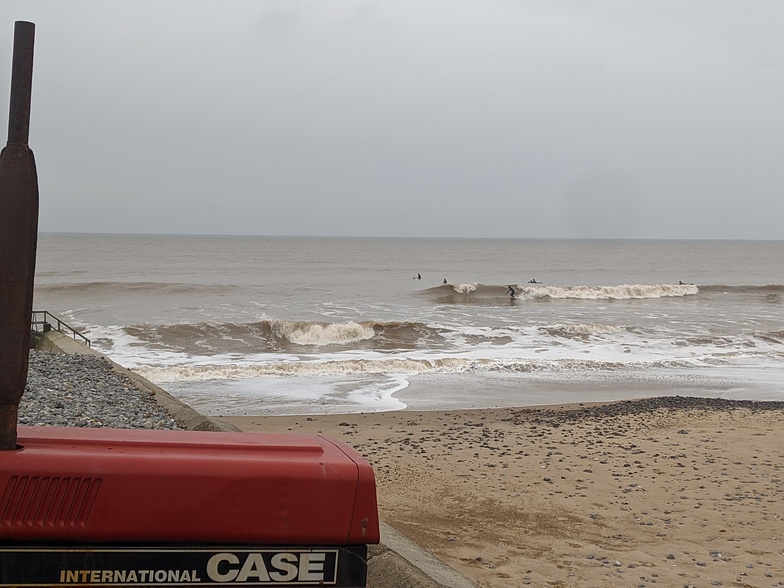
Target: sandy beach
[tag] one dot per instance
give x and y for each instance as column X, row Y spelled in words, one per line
column 672, row 492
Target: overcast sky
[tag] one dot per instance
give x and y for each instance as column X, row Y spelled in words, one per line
column 427, row 118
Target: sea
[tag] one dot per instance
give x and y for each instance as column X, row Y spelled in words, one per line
column 253, row 325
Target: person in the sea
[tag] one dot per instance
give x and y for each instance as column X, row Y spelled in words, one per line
column 533, row 281
column 444, row 280
column 511, row 291
column 419, row 276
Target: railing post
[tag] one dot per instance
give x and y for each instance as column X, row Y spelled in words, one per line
column 49, row 320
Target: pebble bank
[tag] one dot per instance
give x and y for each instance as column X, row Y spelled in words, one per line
column 74, row 390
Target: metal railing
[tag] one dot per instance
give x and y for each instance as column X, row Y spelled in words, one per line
column 44, row 321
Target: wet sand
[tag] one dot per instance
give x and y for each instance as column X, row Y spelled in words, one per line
column 673, row 492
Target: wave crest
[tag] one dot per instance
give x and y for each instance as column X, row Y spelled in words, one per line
column 320, row 334
column 464, row 288
column 285, row 336
column 621, row 292
column 165, row 374
column 412, row 366
column 580, row 331
column 488, row 294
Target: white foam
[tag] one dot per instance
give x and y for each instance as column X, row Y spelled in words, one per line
column 622, row 292
column 581, row 329
column 321, row 334
column 464, row 288
column 207, row 372
column 297, row 395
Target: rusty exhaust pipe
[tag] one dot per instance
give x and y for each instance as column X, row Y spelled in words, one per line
column 18, row 237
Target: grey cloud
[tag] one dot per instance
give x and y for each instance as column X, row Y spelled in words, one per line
column 459, row 118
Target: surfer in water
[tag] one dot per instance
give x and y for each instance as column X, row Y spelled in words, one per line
column 533, row 281
column 511, row 291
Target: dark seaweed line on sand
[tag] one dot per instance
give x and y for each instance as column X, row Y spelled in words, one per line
column 640, row 407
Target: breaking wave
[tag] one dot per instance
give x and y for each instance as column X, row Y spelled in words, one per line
column 408, row 367
column 582, row 332
column 285, row 336
column 464, row 288
column 319, row 334
column 622, row 292
column 484, row 293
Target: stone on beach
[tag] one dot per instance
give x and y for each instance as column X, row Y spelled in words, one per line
column 75, row 390
column 670, row 491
